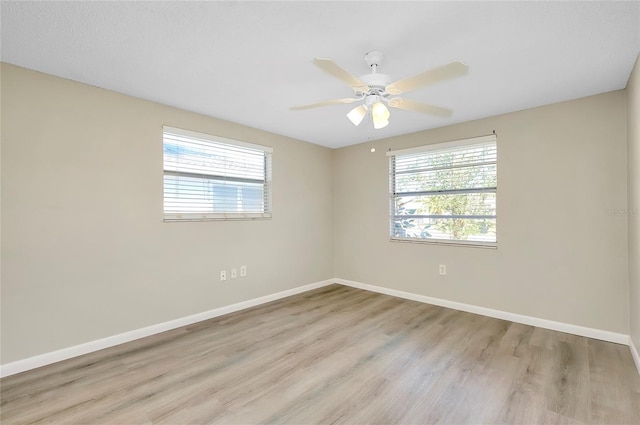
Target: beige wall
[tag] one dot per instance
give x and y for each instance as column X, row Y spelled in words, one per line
column 633, row 181
column 85, row 253
column 561, row 256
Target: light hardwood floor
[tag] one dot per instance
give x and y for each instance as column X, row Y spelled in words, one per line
column 337, row 355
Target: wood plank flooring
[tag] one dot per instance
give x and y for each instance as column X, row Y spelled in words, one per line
column 337, row 355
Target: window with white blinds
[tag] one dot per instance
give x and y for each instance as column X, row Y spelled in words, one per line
column 212, row 178
column 445, row 192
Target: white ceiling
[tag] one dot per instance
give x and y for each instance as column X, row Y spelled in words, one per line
column 248, row 62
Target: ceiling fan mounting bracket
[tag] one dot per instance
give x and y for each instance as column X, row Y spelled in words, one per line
column 373, row 59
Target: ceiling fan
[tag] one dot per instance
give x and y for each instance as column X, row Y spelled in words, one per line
column 376, row 90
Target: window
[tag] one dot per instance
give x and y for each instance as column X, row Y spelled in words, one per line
column 212, row 178
column 445, row 192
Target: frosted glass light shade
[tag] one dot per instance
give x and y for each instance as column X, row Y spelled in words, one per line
column 378, row 124
column 380, row 115
column 357, row 114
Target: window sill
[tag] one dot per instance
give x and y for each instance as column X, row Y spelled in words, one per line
column 466, row 244
column 175, row 218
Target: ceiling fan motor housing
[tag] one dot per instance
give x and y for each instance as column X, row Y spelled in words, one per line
column 375, row 82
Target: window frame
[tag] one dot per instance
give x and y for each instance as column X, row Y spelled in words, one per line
column 444, row 146
column 218, row 216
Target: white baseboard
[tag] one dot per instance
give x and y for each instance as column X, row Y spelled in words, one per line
column 634, row 353
column 99, row 344
column 513, row 317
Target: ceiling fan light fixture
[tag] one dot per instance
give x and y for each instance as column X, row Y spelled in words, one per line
column 380, row 115
column 379, row 111
column 378, row 124
column 357, row 114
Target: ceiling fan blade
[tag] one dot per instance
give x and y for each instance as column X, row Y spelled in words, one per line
column 330, row 67
column 423, row 108
column 444, row 72
column 325, row 103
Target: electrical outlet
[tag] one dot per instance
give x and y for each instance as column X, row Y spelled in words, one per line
column 223, row 275
column 234, row 273
column 443, row 269
column 243, row 271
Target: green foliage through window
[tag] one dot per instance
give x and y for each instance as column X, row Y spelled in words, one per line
column 445, row 192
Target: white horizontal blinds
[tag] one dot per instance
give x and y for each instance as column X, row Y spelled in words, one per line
column 214, row 178
column 445, row 191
